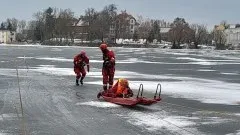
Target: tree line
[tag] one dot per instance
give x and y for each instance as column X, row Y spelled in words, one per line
column 55, row 23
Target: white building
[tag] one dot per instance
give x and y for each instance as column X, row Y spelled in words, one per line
column 7, row 36
column 124, row 26
column 233, row 36
column 164, row 32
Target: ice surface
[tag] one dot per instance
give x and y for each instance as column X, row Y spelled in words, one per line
column 236, row 133
column 160, row 123
column 203, row 90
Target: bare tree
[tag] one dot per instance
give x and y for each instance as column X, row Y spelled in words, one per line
column 49, row 22
column 156, row 30
column 198, row 34
column 140, row 19
column 63, row 21
column 90, row 19
column 14, row 23
column 100, row 22
column 219, row 38
column 144, row 28
column 178, row 33
column 40, row 26
column 21, row 25
column 29, row 34
column 122, row 25
column 135, row 35
column 209, row 38
column 106, row 18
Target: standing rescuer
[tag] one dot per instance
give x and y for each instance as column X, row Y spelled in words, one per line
column 108, row 68
column 80, row 61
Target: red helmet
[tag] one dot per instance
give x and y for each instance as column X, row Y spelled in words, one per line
column 83, row 53
column 103, row 46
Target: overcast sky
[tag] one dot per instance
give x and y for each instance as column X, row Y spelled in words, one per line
column 208, row 12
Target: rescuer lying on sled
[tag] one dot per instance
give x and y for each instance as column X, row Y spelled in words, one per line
column 120, row 89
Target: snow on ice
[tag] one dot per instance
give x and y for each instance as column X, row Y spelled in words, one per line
column 203, row 90
column 98, row 104
column 206, row 91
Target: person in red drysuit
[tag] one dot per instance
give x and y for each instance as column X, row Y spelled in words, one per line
column 108, row 68
column 80, row 61
column 120, row 89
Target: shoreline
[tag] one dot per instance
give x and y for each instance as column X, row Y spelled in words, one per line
column 113, row 45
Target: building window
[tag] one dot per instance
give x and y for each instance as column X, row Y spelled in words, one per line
column 132, row 21
column 131, row 26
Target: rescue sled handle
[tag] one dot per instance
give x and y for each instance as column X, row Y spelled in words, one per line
column 140, row 90
column 159, row 86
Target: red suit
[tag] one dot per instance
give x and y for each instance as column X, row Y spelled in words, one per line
column 108, row 68
column 80, row 61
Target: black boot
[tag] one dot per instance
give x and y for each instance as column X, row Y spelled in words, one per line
column 81, row 80
column 99, row 94
column 77, row 82
column 104, row 88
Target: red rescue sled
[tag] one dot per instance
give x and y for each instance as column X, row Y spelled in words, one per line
column 109, row 97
